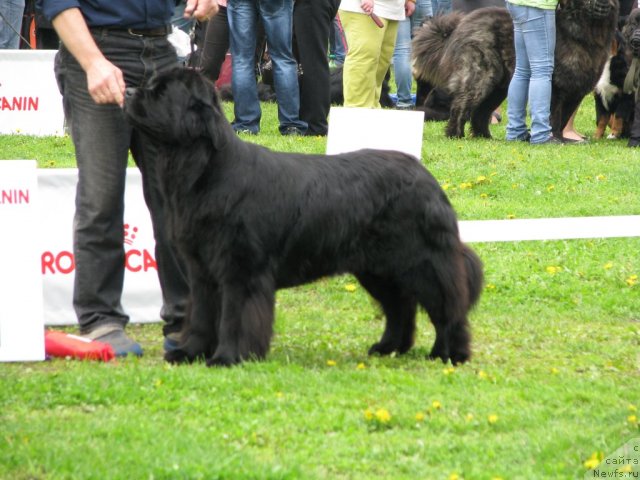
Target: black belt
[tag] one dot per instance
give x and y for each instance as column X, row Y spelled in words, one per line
column 138, row 32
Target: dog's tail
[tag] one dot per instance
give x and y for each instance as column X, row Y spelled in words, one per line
column 475, row 276
column 429, row 44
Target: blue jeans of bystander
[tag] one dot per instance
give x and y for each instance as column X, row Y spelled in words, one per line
column 535, row 40
column 277, row 18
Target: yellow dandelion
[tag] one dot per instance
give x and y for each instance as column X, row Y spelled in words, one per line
column 552, row 269
column 601, row 177
column 382, row 415
column 331, row 363
column 279, row 394
column 632, row 419
column 449, row 370
column 350, row 287
column 632, row 280
column 436, row 405
column 492, row 419
column 482, row 375
column 454, row 476
column 490, row 286
column 157, row 383
column 592, row 462
column 626, row 469
column 632, row 408
column 514, row 186
column 361, row 366
column 551, row 188
column 511, row 216
column 446, row 186
column 496, row 478
column 466, row 185
column 420, row 417
column 368, row 414
column 554, row 371
column 608, row 266
column 481, row 179
column 468, row 417
column 484, row 196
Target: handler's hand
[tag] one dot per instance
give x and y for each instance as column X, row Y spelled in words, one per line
column 409, row 8
column 367, row 6
column 201, row 9
column 105, row 82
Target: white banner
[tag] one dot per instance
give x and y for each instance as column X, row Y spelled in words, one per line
column 21, row 318
column 141, row 297
column 30, row 102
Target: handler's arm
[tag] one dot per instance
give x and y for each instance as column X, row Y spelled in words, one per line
column 104, row 80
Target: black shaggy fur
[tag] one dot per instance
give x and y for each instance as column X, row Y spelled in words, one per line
column 471, row 57
column 249, row 220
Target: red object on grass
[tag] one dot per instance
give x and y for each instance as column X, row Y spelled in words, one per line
column 60, row 344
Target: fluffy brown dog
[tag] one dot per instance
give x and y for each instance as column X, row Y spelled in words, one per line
column 472, row 59
column 249, row 220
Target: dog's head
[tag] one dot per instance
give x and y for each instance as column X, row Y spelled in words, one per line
column 594, row 9
column 177, row 107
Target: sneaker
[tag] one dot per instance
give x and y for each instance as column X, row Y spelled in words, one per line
column 171, row 341
column 404, row 106
column 292, row 131
column 114, row 335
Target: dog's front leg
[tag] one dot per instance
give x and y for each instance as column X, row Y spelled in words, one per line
column 246, row 322
column 200, row 333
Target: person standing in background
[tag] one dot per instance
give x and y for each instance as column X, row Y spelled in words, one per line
column 11, row 13
column 370, row 46
column 277, row 19
column 312, row 26
column 402, row 53
column 534, row 36
column 215, row 44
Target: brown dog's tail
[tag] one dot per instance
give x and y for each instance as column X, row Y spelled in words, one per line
column 429, row 44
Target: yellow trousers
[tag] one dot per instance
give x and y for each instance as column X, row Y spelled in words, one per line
column 370, row 49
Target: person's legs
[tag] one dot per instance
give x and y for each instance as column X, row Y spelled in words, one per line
column 364, row 39
column 402, row 64
column 11, row 23
column 390, row 33
column 312, row 21
column 215, row 45
column 337, row 41
column 278, row 25
column 519, row 87
column 243, row 23
column 539, row 34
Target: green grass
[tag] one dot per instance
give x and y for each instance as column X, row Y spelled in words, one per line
column 556, row 364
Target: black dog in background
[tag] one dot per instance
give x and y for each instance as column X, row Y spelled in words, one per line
column 249, row 221
column 471, row 57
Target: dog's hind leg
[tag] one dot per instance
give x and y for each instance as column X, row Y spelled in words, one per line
column 400, row 312
column 443, row 292
column 246, row 321
column 458, row 116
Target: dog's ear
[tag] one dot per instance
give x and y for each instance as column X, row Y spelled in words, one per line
column 209, row 115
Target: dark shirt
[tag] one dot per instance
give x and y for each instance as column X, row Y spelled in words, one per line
column 115, row 13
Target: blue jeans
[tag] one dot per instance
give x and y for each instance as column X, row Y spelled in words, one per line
column 535, row 40
column 402, row 52
column 12, row 11
column 441, row 7
column 337, row 41
column 102, row 139
column 277, row 18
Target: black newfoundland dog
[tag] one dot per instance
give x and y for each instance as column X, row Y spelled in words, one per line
column 471, row 57
column 249, row 221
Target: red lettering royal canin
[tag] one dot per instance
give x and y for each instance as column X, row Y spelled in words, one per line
column 14, row 196
column 64, row 262
column 19, row 104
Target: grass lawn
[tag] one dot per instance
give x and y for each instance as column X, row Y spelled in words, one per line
column 554, row 381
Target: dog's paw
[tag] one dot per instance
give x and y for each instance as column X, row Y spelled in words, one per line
column 177, row 356
column 460, row 357
column 222, row 361
column 382, row 348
